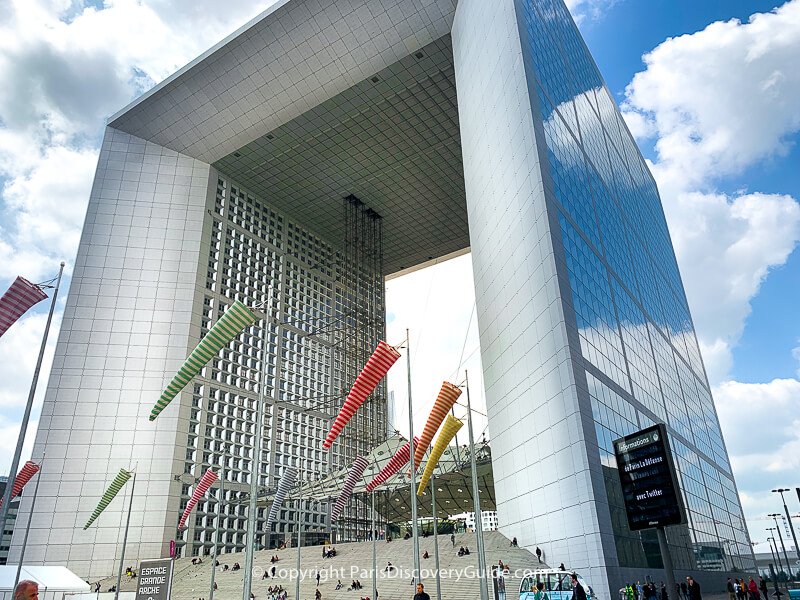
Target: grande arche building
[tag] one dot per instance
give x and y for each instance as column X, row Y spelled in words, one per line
column 325, row 146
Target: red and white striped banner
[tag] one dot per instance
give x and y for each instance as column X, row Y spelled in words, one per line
column 376, row 368
column 17, row 300
column 29, row 469
column 356, row 471
column 401, row 457
column 444, row 402
column 208, row 478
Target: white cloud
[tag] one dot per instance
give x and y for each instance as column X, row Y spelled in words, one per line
column 588, row 9
column 72, row 65
column 726, row 246
column 718, row 101
column 19, row 348
column 9, row 432
column 436, row 304
column 761, row 425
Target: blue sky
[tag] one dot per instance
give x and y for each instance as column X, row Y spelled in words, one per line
column 716, row 110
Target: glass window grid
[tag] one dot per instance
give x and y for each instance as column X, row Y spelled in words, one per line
column 675, row 358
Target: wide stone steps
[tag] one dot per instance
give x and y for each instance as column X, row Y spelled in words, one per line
column 354, row 561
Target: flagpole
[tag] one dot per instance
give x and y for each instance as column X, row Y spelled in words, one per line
column 374, row 551
column 28, row 525
column 476, row 502
column 255, row 470
column 299, row 526
column 415, row 535
column 219, row 521
column 23, row 429
column 125, row 538
column 436, row 539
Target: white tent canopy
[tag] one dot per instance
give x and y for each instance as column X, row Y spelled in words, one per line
column 53, row 582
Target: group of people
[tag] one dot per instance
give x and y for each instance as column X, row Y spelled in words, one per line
column 130, row 573
column 686, row 590
column 328, row 552
column 463, row 551
column 276, row 593
column 739, row 590
column 197, row 561
column 646, row 591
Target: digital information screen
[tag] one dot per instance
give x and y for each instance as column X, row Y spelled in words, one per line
column 649, row 486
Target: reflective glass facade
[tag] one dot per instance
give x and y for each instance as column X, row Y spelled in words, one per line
column 636, row 343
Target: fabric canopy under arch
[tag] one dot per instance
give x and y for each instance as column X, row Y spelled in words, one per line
column 284, row 485
column 20, row 296
column 121, row 479
column 449, row 430
column 376, row 368
column 444, row 402
column 356, row 472
column 28, row 470
column 208, row 478
column 401, row 457
column 235, row 319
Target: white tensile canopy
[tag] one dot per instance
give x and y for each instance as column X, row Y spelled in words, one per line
column 53, row 582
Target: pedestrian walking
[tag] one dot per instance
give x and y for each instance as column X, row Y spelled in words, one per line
column 693, row 588
column 539, row 553
column 578, row 593
column 421, row 595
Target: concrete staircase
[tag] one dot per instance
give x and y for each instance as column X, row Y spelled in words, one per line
column 354, row 561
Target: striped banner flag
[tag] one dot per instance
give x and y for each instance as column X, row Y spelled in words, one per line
column 116, row 485
column 448, row 432
column 284, row 485
column 401, row 457
column 356, row 471
column 28, row 470
column 208, row 478
column 235, row 319
column 444, row 402
column 17, row 300
column 376, row 368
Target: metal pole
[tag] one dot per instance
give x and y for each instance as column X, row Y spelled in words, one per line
column 125, row 538
column 458, row 450
column 791, row 525
column 299, row 527
column 374, row 551
column 783, row 546
column 255, row 471
column 773, row 554
column 666, row 558
column 28, row 526
column 219, row 523
column 415, row 533
column 436, row 540
column 777, row 553
column 476, row 502
column 23, row 429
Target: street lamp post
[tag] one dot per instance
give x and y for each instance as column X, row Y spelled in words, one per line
column 783, row 546
column 789, row 518
column 777, row 553
column 771, row 551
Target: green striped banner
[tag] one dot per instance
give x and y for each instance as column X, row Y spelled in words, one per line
column 116, row 485
column 235, row 319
